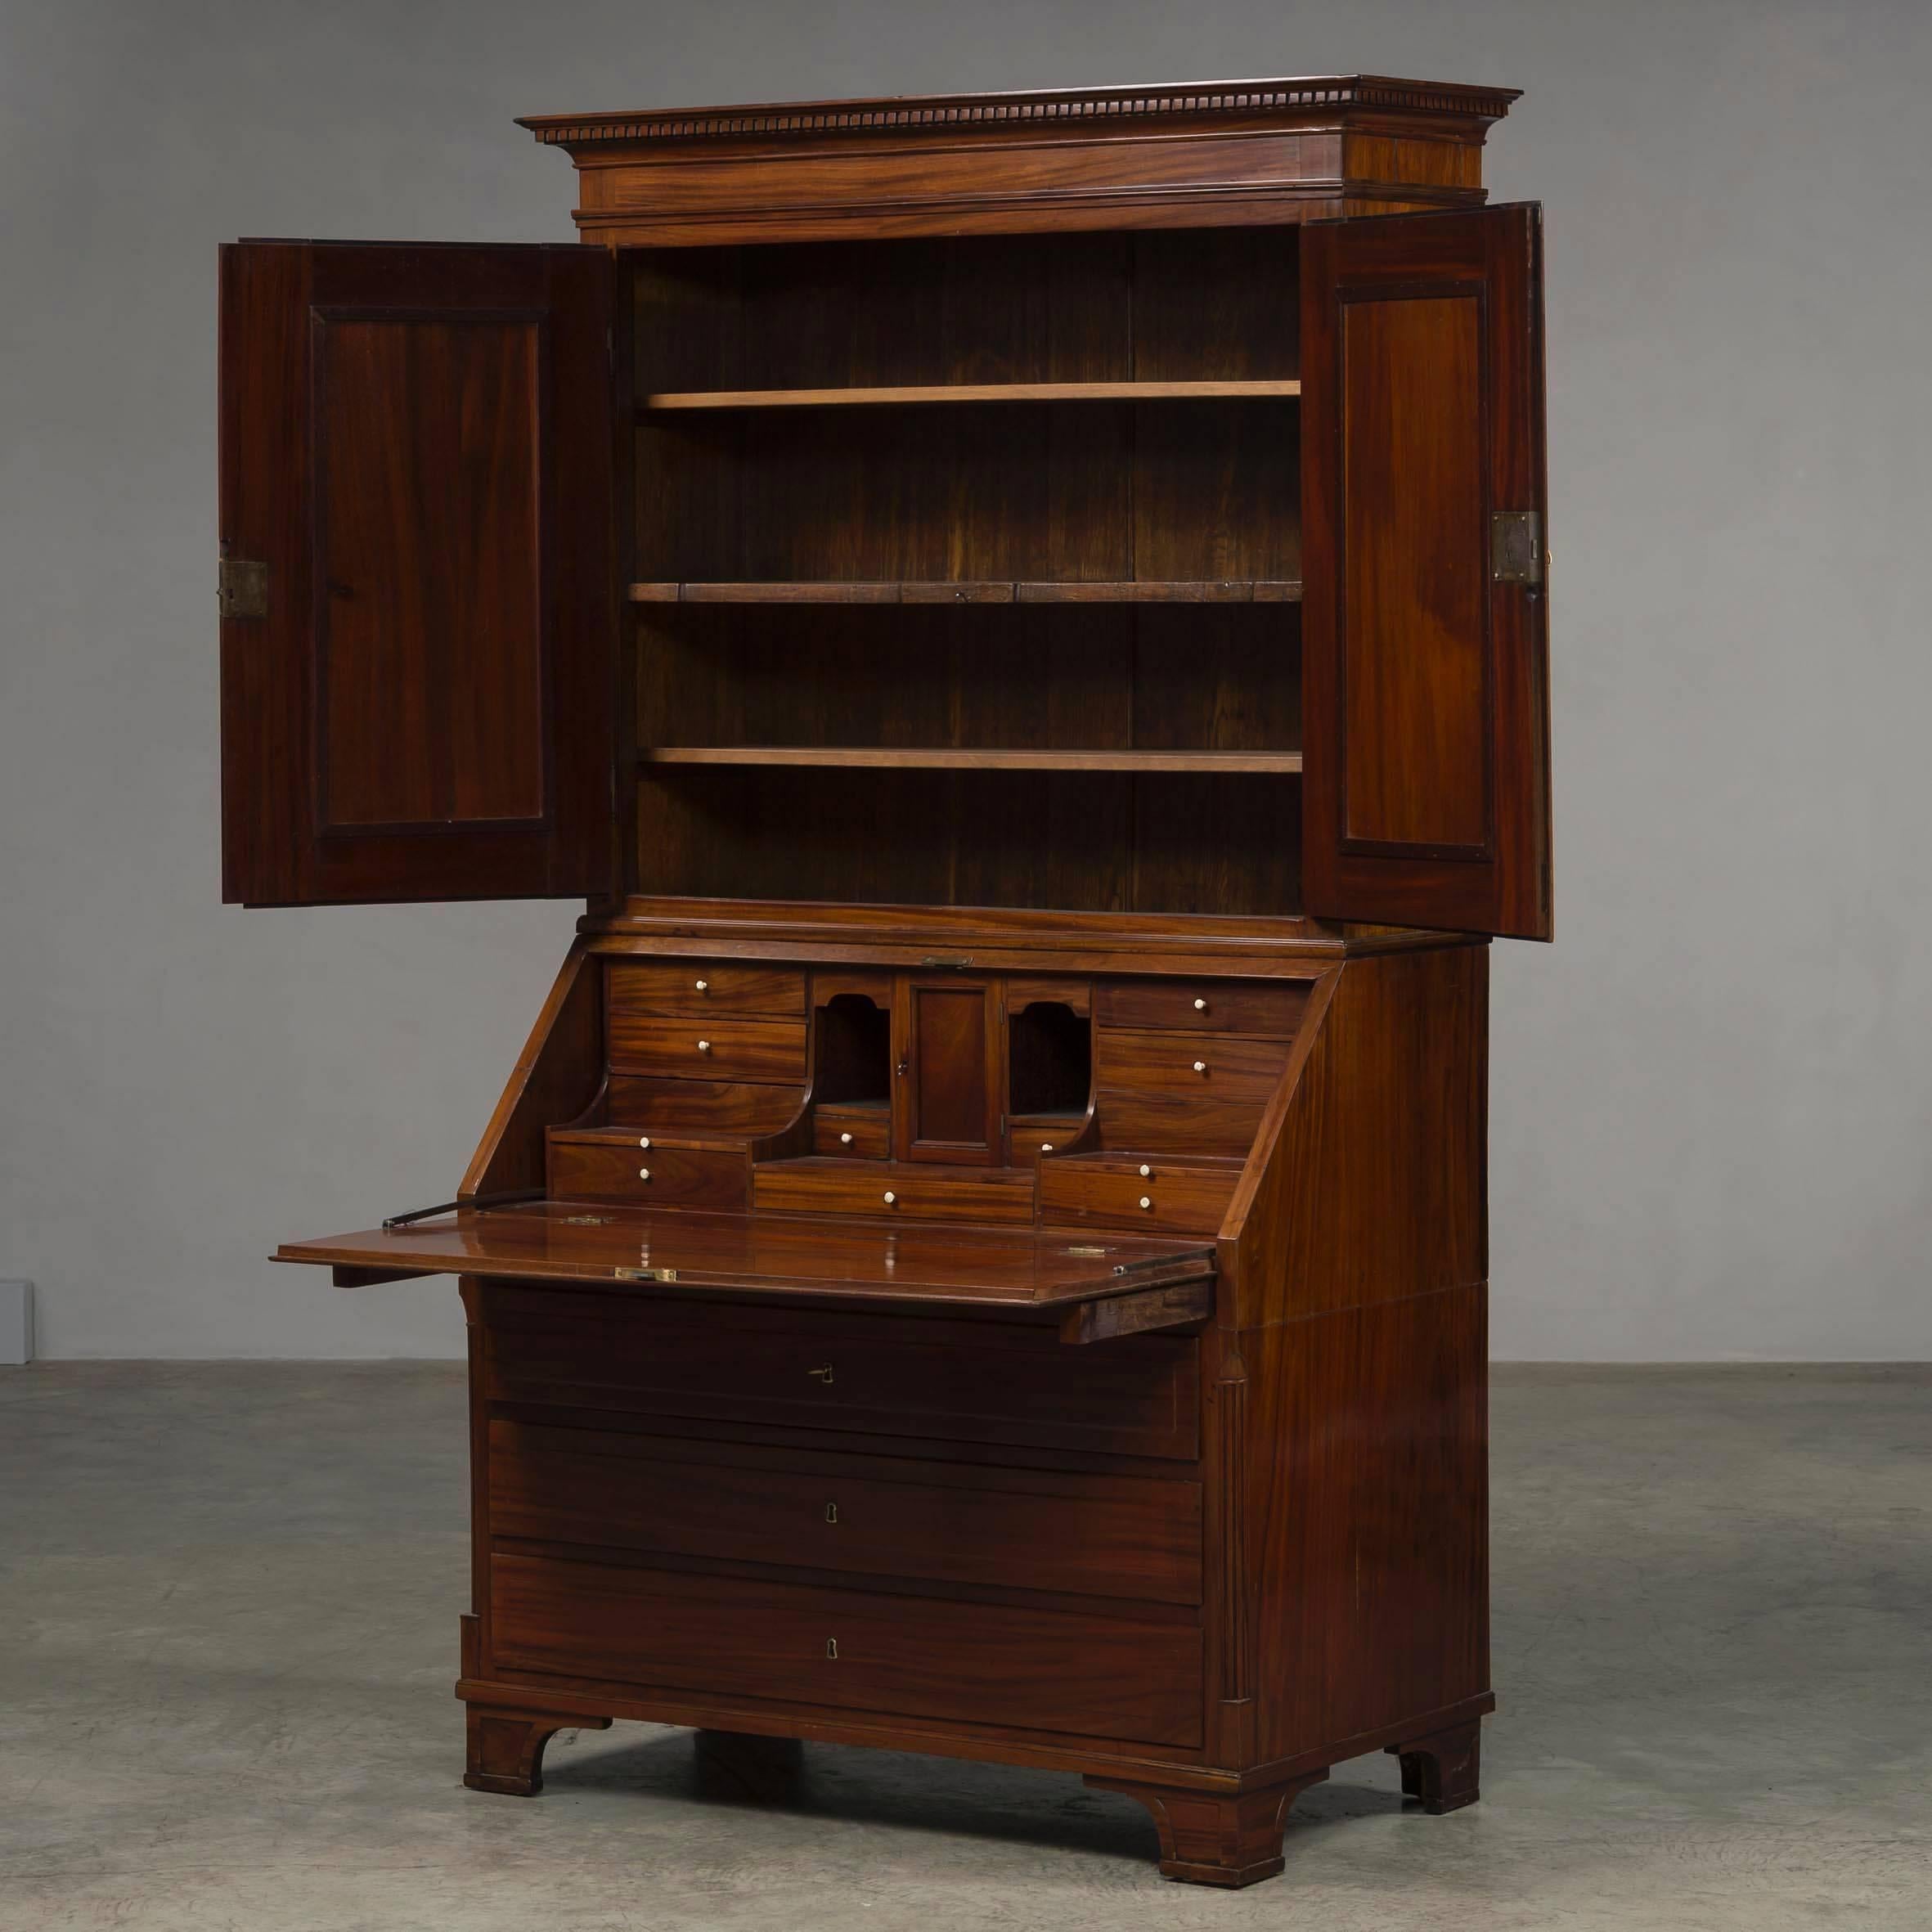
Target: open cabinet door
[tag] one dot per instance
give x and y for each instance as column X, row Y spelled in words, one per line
column 418, row 595
column 1425, row 641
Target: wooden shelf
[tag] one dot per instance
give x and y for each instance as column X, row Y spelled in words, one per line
column 1233, row 591
column 902, row 758
column 975, row 392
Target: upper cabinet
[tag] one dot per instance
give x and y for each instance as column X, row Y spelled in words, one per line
column 1119, row 504
column 1425, row 632
column 418, row 616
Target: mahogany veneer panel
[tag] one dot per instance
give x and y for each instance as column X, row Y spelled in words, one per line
column 415, row 447
column 654, row 1177
column 852, row 1133
column 1427, row 667
column 898, row 1375
column 722, row 1106
column 650, row 986
column 901, row 1191
column 982, row 1663
column 1157, row 1193
column 698, row 1048
column 1017, row 1529
column 1201, row 1006
column 834, row 1257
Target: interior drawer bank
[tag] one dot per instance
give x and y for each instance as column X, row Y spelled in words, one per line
column 1133, row 1679
column 1133, row 1537
column 870, row 1374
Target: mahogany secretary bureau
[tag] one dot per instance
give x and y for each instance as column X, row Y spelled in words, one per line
column 1023, row 617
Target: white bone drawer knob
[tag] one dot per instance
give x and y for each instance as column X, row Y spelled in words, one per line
column 704, row 1047
column 702, row 985
column 644, row 1174
column 645, row 1140
column 1046, row 1146
column 889, row 1196
column 1201, row 1006
column 845, row 1140
column 1200, row 1066
column 1147, row 1200
column 1147, row 1173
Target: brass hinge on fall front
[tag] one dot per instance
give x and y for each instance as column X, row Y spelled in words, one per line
column 244, row 588
column 1516, row 547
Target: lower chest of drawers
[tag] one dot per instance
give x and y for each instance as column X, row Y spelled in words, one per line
column 859, row 1555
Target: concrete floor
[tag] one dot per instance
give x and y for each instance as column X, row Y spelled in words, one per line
column 228, row 1635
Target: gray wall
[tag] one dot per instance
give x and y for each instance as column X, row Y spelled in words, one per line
column 1713, row 1098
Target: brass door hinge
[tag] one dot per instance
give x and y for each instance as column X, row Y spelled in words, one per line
column 1516, row 547
column 243, row 591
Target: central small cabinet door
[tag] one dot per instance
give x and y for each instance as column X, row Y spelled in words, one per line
column 947, row 1070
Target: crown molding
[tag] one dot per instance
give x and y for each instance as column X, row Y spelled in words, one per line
column 1197, row 101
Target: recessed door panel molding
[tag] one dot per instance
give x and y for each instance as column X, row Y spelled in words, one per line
column 417, row 471
column 1425, row 617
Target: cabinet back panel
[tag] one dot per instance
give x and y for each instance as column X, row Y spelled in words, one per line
column 1039, row 490
column 1184, row 305
column 1175, row 490
column 1083, row 842
column 1158, row 677
column 1170, row 492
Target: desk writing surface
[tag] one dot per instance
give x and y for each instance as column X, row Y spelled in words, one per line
column 828, row 1256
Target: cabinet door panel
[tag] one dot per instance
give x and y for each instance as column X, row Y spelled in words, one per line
column 1425, row 646
column 416, row 446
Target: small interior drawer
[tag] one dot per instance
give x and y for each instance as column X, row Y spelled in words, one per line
column 725, row 1050
column 1130, row 1677
column 1121, row 1536
column 852, row 1133
column 1269, row 1007
column 900, row 1192
column 701, row 986
column 1154, row 1192
column 1184, row 1092
column 1189, row 1065
column 634, row 1170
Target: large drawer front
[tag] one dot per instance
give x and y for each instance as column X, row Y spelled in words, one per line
column 1136, row 1680
column 874, row 1374
column 1132, row 1537
column 698, row 1049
